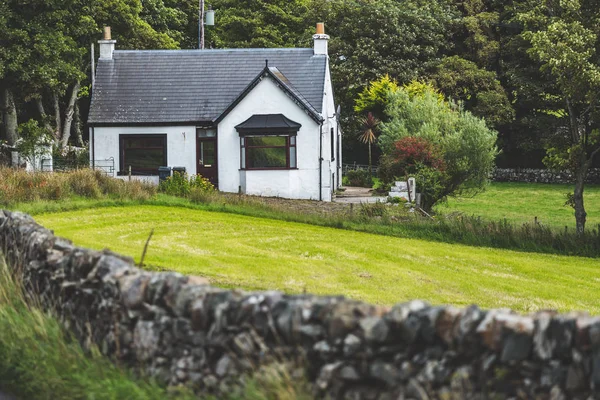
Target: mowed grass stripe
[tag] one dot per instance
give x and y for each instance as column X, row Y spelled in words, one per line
column 256, row 253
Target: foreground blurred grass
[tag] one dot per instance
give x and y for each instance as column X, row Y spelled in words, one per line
column 38, row 360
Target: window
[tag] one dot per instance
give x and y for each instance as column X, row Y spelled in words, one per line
column 332, row 144
column 268, row 152
column 143, row 153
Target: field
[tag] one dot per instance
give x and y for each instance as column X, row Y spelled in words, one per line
column 522, row 202
column 259, row 253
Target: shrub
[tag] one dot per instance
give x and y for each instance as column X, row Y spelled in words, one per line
column 201, row 183
column 410, row 152
column 360, row 178
column 85, row 184
column 175, row 185
column 180, row 185
column 463, row 142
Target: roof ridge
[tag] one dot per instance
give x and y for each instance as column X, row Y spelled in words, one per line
column 197, row 51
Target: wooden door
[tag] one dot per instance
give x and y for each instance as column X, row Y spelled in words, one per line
column 206, row 150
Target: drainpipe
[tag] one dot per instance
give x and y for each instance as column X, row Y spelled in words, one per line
column 93, row 152
column 321, row 162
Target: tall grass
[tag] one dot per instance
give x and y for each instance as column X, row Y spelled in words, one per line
column 39, row 360
column 36, row 193
column 18, row 186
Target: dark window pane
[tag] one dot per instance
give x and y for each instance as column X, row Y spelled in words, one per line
column 208, row 153
column 143, row 142
column 146, row 159
column 266, row 141
column 144, row 154
column 268, row 157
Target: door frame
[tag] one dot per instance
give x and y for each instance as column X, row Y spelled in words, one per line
column 215, row 139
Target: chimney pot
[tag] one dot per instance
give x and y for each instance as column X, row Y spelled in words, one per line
column 107, row 33
column 320, row 28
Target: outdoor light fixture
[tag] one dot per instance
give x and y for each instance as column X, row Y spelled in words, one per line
column 210, row 17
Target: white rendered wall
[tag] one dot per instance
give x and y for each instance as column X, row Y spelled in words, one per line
column 303, row 183
column 181, row 145
column 330, row 165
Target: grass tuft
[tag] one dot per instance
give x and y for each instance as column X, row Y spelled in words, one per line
column 19, row 186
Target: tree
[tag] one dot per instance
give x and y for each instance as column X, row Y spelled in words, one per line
column 369, row 39
column 367, row 136
column 375, row 96
column 479, row 90
column 467, row 145
column 47, row 48
column 259, row 23
column 564, row 37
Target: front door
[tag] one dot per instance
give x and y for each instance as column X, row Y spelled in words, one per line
column 207, row 159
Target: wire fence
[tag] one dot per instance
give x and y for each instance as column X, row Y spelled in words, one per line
column 106, row 166
column 358, row 167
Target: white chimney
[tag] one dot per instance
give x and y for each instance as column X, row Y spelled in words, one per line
column 321, row 40
column 107, row 45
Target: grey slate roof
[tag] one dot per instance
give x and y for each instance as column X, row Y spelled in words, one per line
column 178, row 86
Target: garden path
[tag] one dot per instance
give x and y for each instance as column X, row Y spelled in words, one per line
column 357, row 195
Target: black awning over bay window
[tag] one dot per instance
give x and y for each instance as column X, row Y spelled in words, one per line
column 268, row 124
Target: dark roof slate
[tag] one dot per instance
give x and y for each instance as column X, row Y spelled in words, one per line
column 178, row 86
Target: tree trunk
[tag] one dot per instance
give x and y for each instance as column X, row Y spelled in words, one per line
column 578, row 205
column 370, row 163
column 39, row 102
column 9, row 110
column 66, row 133
column 77, row 127
column 57, row 119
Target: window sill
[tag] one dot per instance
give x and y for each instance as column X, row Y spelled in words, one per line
column 149, row 173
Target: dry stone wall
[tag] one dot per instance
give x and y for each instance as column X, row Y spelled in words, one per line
column 529, row 175
column 179, row 329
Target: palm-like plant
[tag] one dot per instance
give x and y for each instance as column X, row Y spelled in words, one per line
column 367, row 136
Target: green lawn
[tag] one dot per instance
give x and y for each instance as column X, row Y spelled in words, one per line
column 522, row 202
column 257, row 253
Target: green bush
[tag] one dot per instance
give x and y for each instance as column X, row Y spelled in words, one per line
column 180, row 185
column 440, row 135
column 359, row 177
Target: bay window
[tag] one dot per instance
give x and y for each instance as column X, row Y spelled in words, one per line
column 268, row 152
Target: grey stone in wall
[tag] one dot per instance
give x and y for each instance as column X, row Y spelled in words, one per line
column 529, row 175
column 179, row 329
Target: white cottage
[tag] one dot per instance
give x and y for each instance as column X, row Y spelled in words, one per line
column 256, row 121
